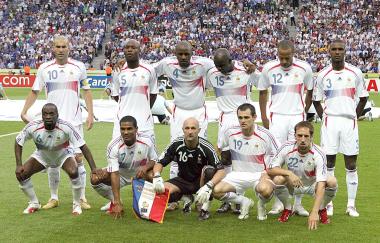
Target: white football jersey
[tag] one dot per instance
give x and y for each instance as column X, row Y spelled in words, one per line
column 134, row 86
column 233, row 89
column 62, row 86
column 51, row 143
column 310, row 167
column 287, row 85
column 253, row 153
column 339, row 90
column 188, row 84
column 126, row 159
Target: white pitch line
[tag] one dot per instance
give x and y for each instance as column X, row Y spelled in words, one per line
column 9, row 134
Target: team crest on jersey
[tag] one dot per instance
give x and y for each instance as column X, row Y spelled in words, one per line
column 349, row 80
column 296, row 75
column 237, row 79
column 142, row 76
column 194, row 72
column 71, row 73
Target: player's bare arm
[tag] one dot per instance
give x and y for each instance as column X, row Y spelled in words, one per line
column 360, row 106
column 308, row 100
column 32, row 97
column 314, row 217
column 152, row 99
column 263, row 97
column 87, row 95
column 117, row 210
column 318, row 108
column 19, row 166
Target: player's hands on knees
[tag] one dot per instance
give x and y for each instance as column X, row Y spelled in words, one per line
column 25, row 118
column 158, row 184
column 98, row 175
column 295, row 181
column 204, row 193
column 141, row 172
column 117, row 210
column 19, row 172
column 313, row 221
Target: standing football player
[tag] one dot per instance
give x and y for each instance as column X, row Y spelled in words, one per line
column 339, row 85
column 62, row 78
column 287, row 77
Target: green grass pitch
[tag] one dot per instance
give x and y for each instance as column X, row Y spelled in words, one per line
column 94, row 226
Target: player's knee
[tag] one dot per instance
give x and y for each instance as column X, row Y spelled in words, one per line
column 351, row 164
column 72, row 172
column 208, row 172
column 279, row 180
column 331, row 182
column 264, row 189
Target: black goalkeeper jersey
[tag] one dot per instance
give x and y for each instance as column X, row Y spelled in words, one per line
column 190, row 161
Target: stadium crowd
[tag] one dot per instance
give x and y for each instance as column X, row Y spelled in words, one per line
column 249, row 28
column 357, row 21
column 28, row 26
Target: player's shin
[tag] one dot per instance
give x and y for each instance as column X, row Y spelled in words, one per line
column 27, row 187
column 54, row 176
column 282, row 193
column 76, row 188
column 104, row 191
column 82, row 175
column 330, row 193
column 232, row 197
column 352, row 182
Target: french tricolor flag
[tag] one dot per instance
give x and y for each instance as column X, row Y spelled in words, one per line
column 146, row 203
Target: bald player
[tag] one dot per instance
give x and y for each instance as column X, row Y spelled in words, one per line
column 62, row 79
column 135, row 89
column 199, row 168
column 287, row 77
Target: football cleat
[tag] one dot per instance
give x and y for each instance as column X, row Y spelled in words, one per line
column 261, row 212
column 245, row 206
column 106, row 207
column 351, row 211
column 277, row 207
column 300, row 210
column 32, row 207
column 330, row 209
column 77, row 210
column 224, row 208
column 172, row 206
column 187, row 202
column 285, row 216
column 203, row 215
column 84, row 204
column 323, row 217
column 236, row 209
column 110, row 208
column 52, row 203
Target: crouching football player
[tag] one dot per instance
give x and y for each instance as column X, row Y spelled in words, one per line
column 250, row 147
column 306, row 173
column 199, row 168
column 52, row 137
column 128, row 156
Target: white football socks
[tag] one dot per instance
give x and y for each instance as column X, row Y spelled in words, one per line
column 54, row 176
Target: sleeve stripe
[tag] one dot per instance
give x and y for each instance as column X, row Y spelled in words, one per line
column 273, row 140
column 210, row 148
column 113, row 143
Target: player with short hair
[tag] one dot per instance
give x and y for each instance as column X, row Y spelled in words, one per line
column 128, row 156
column 339, row 85
column 287, row 77
column 231, row 84
column 199, row 168
column 306, row 173
column 135, row 89
column 55, row 140
column 250, row 148
column 62, row 78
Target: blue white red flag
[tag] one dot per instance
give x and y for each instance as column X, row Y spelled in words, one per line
column 146, row 203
